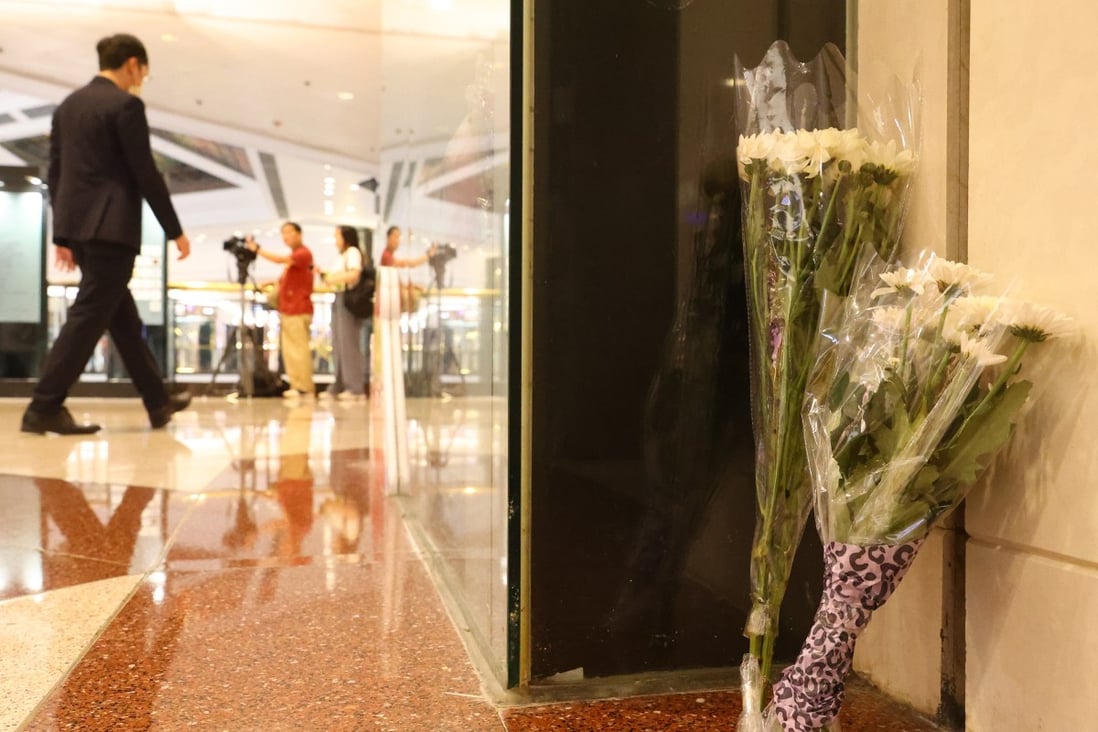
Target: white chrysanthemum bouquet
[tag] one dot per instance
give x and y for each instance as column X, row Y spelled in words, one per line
column 916, row 389
column 912, row 397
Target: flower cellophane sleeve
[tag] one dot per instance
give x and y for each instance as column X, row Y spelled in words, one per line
column 911, row 397
column 825, row 176
column 888, row 396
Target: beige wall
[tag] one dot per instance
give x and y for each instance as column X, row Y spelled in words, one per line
column 1033, row 558
column 1032, row 568
column 901, row 650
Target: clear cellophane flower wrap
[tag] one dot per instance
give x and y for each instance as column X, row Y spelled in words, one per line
column 825, row 176
column 916, row 388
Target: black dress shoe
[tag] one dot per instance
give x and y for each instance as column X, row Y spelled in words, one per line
column 162, row 415
column 62, row 423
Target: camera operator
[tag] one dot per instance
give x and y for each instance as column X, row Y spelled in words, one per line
column 295, row 309
column 392, row 243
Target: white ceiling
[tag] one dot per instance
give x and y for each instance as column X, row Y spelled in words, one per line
column 326, row 86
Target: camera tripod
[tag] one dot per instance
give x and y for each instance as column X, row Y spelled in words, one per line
column 438, row 351
column 244, row 344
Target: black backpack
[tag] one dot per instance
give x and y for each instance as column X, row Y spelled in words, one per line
column 359, row 300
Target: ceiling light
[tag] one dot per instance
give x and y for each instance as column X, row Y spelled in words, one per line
column 34, row 180
column 168, row 38
column 346, row 96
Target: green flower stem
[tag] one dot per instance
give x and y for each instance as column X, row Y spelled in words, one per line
column 828, row 218
column 903, row 345
column 938, row 372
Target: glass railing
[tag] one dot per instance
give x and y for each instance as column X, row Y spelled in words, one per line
column 443, row 336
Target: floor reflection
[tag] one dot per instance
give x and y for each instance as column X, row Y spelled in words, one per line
column 458, row 495
column 55, row 533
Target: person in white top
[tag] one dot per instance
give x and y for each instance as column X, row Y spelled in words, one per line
column 350, row 363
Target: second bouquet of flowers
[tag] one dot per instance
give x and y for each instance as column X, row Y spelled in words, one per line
column 913, row 394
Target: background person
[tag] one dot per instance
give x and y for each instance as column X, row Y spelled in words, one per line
column 295, row 309
column 392, row 243
column 101, row 167
column 350, row 362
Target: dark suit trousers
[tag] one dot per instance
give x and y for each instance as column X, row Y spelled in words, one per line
column 103, row 304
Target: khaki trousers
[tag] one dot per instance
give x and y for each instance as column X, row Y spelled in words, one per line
column 297, row 354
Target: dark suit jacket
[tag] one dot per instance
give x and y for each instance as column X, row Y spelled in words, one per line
column 101, row 167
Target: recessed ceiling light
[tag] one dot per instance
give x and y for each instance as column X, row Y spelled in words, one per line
column 168, row 38
column 346, row 96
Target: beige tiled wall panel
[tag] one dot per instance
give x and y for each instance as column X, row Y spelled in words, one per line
column 901, row 649
column 1032, row 221
column 1031, row 630
column 1032, row 635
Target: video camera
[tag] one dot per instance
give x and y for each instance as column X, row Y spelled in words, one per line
column 444, row 253
column 236, row 246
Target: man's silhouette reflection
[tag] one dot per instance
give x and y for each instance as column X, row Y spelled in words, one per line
column 112, row 544
column 695, row 420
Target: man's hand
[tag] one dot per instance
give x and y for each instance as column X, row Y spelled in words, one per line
column 183, row 244
column 62, row 258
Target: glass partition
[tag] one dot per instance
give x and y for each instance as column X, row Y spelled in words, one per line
column 22, row 233
column 444, row 181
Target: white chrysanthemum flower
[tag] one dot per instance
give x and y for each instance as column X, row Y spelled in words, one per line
column 1035, row 323
column 889, row 155
column 974, row 313
column 890, row 319
column 978, row 349
column 814, row 151
column 756, row 147
column 843, row 144
column 951, row 330
column 903, row 281
column 791, row 155
column 957, row 274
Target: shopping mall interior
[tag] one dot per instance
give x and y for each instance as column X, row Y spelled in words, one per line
column 542, row 516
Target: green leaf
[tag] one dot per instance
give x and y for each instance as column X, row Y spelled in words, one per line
column 888, row 419
column 838, row 390
column 982, row 436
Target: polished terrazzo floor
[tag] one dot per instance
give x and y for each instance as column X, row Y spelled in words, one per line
column 243, row 570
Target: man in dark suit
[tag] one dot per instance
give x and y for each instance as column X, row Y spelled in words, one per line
column 101, row 167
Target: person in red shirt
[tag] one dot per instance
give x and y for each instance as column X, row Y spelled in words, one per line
column 295, row 309
column 392, row 242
